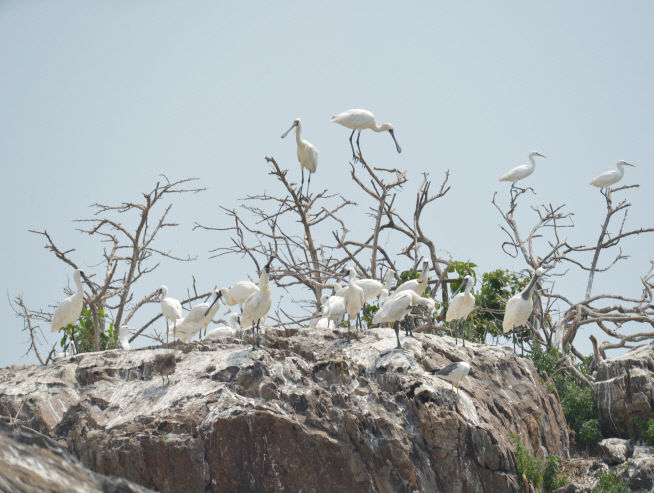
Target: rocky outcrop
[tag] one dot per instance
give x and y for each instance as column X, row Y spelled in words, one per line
column 305, row 412
column 30, row 461
column 624, row 391
column 614, row 450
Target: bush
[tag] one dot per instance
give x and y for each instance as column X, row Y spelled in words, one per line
column 84, row 333
column 527, row 465
column 610, row 483
column 649, row 432
column 589, row 433
column 551, row 478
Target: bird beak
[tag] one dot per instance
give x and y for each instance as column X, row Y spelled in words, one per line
column 292, row 127
column 397, row 146
column 629, row 164
column 541, row 155
column 213, row 303
column 267, row 266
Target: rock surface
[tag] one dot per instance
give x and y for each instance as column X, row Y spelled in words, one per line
column 614, row 450
column 305, row 412
column 30, row 461
column 624, row 388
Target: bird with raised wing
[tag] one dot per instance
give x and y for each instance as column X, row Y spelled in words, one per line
column 357, row 119
column 307, row 154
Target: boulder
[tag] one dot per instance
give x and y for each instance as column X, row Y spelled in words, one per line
column 624, row 391
column 614, row 450
column 305, row 412
column 638, row 472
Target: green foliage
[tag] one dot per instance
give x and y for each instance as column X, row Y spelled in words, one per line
column 551, row 478
column 648, row 436
column 589, row 432
column 462, row 269
column 610, row 483
column 84, row 331
column 369, row 311
column 527, row 465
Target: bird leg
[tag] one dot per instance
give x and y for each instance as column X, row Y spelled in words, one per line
column 72, row 335
column 396, row 326
column 308, row 185
column 167, row 329
column 302, row 183
column 253, row 336
column 354, row 154
column 463, row 333
column 348, row 329
column 358, row 146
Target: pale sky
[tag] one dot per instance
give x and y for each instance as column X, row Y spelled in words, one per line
column 99, row 98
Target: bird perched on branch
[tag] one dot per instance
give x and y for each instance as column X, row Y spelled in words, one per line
column 611, row 177
column 307, row 154
column 519, row 307
column 522, row 171
column 360, row 120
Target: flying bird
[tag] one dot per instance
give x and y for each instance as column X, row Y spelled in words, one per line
column 69, row 310
column 361, row 120
column 307, row 153
column 171, row 309
column 522, row 171
column 461, row 306
column 611, row 177
column 519, row 307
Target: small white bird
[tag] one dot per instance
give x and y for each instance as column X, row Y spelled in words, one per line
column 354, row 299
column 398, row 306
column 229, row 330
column 611, row 177
column 199, row 317
column 519, row 307
column 522, row 171
column 419, row 285
column 307, row 154
column 69, row 310
column 256, row 306
column 333, row 308
column 360, row 120
column 123, row 336
column 171, row 308
column 454, row 373
column 238, row 293
column 461, row 306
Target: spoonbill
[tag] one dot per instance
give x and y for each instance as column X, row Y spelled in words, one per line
column 171, row 308
column 519, row 307
column 257, row 305
column 354, row 298
column 454, row 373
column 333, row 308
column 238, row 293
column 198, row 318
column 217, row 333
column 397, row 307
column 69, row 310
column 461, row 306
column 419, row 285
column 307, row 154
column 610, row 177
column 522, row 171
column 357, row 119
column 123, row 336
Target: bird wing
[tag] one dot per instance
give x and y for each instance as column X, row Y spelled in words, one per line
column 355, row 118
column 66, row 313
column 517, row 173
column 606, row 178
column 242, row 290
column 447, row 370
column 308, row 156
column 371, row 287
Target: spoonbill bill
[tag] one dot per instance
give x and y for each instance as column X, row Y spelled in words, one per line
column 611, row 177
column 454, row 373
column 69, row 310
column 522, row 171
column 419, row 285
column 217, row 333
column 198, row 318
column 256, row 306
column 461, row 306
column 354, row 298
column 519, row 307
column 397, row 307
column 307, row 154
column 123, row 336
column 360, row 120
column 171, row 308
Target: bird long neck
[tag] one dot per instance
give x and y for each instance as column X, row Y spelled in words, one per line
column 468, row 286
column 378, row 127
column 532, row 162
column 298, row 134
column 78, row 283
column 529, row 290
column 389, row 280
column 620, row 167
column 264, row 282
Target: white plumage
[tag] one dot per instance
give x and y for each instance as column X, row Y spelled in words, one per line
column 307, row 154
column 238, row 293
column 256, row 306
column 199, row 317
column 519, row 307
column 217, row 333
column 398, row 306
column 419, row 285
column 611, row 177
column 454, row 373
column 171, row 308
column 461, row 305
column 333, row 308
column 357, row 119
column 522, row 171
column 354, row 298
column 123, row 336
column 69, row 310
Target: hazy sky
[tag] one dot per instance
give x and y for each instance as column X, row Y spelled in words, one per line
column 99, row 98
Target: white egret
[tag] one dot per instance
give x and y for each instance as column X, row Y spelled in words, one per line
column 397, row 307
column 419, row 285
column 522, row 171
column 198, row 318
column 611, row 177
column 519, row 307
column 171, row 308
column 69, row 310
column 354, row 299
column 333, row 308
column 307, row 154
column 360, row 120
column 123, row 336
column 217, row 333
column 461, row 306
column 256, row 306
column 454, row 373
column 238, row 293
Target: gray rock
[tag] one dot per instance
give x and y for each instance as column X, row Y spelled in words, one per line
column 614, row 450
column 639, row 473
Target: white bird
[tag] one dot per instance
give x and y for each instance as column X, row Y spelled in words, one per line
column 398, row 306
column 69, row 310
column 454, row 373
column 238, row 293
column 522, row 171
column 419, row 285
column 519, row 307
column 199, row 317
column 307, row 154
column 123, row 336
column 171, row 308
column 217, row 333
column 360, row 120
column 256, row 306
column 333, row 308
column 611, row 177
column 461, row 306
column 354, row 299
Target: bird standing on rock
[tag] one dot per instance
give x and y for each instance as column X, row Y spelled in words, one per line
column 171, row 309
column 461, row 306
column 397, row 307
column 454, row 373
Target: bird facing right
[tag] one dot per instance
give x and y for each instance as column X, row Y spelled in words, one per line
column 522, row 171
column 611, row 177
